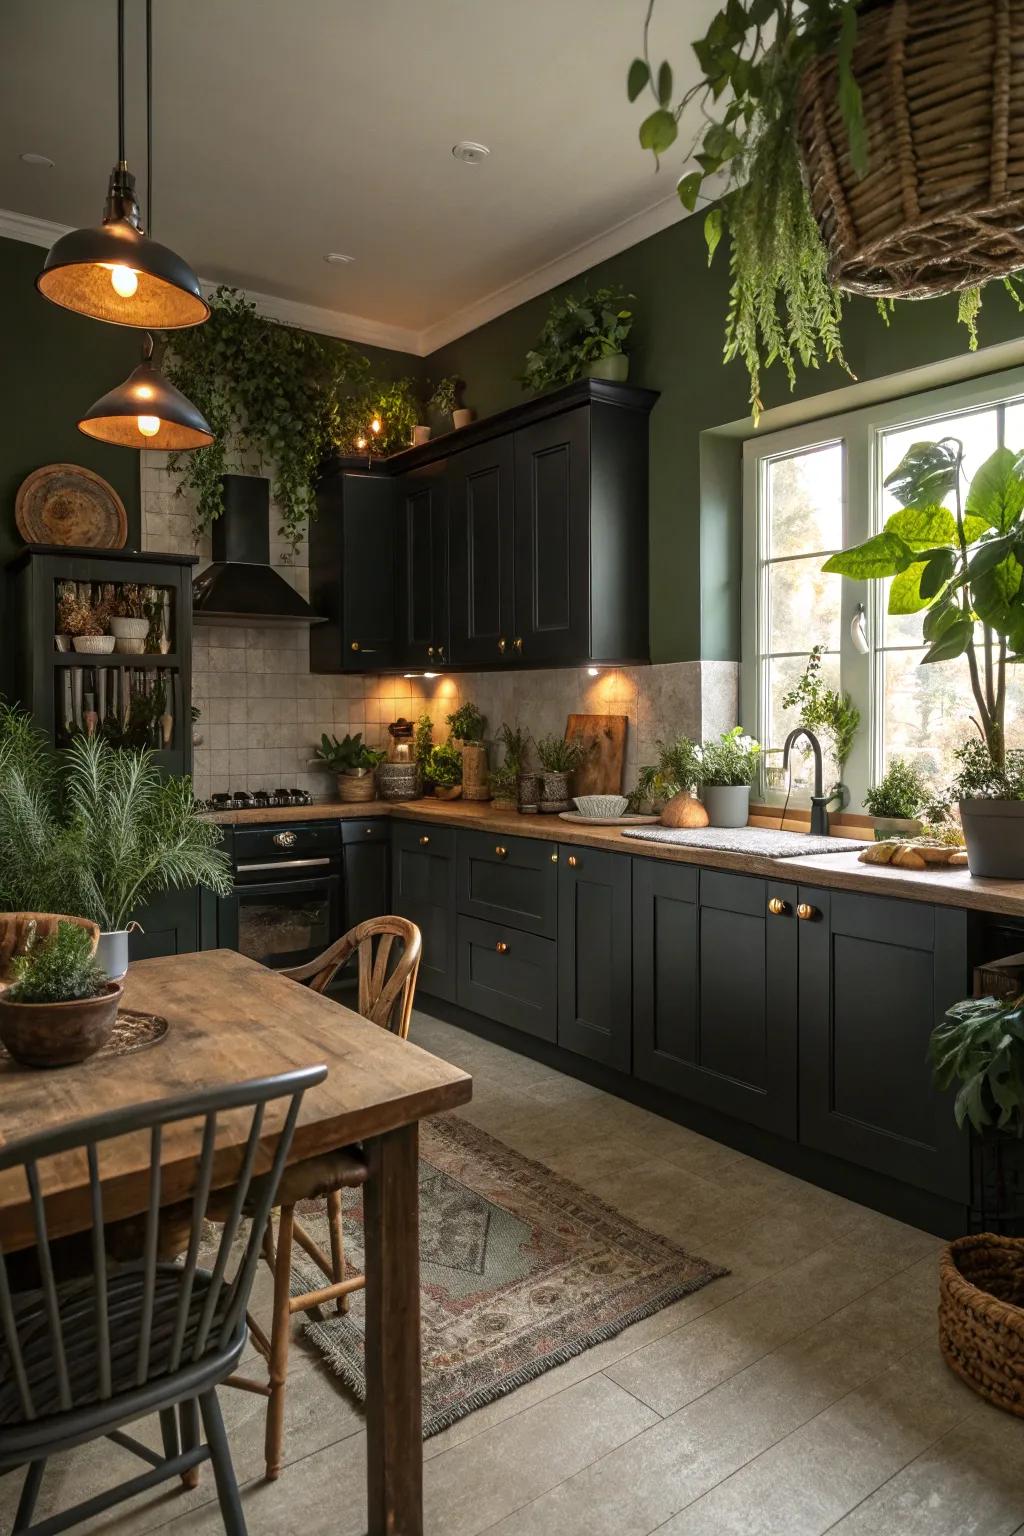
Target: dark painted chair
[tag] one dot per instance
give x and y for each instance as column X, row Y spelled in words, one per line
column 80, row 1358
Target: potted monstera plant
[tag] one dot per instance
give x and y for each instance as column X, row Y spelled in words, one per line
column 957, row 558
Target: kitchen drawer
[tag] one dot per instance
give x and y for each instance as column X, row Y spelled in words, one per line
column 508, row 976
column 376, row 829
column 421, row 837
column 512, row 880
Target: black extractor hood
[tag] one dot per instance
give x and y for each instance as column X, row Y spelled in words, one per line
column 240, row 587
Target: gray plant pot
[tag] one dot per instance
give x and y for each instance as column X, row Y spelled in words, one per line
column 112, row 953
column 554, row 793
column 994, row 833
column 727, row 805
column 614, row 369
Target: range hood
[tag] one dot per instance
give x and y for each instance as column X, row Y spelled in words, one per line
column 240, row 587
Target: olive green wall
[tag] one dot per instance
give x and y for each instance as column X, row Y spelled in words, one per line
column 677, row 349
column 53, row 365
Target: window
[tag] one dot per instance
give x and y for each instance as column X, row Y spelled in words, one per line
column 816, row 489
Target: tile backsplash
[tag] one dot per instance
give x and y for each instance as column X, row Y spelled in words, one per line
column 263, row 711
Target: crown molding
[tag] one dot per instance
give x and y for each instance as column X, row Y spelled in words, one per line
column 330, row 322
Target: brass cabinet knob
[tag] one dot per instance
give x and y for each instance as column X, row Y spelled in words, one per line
column 777, row 907
column 440, row 653
column 501, row 646
column 517, row 645
column 430, row 652
column 554, row 858
column 355, row 645
column 572, row 861
column 501, row 947
column 501, row 851
column 807, row 912
column 424, row 840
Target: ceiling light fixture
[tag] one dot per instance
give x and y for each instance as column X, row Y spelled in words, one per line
column 469, row 152
column 30, row 158
column 113, row 271
column 147, row 412
column 337, row 259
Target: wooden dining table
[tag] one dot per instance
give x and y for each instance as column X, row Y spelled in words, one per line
column 230, row 1019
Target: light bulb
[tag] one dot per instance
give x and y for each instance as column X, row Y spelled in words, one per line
column 375, row 425
column 360, row 442
column 149, row 426
column 124, row 280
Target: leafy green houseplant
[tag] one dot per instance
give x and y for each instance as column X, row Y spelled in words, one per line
column 582, row 336
column 96, row 832
column 897, row 800
column 352, row 762
column 825, row 710
column 61, row 1005
column 444, row 770
column 960, row 566
column 725, row 769
column 980, row 1046
column 784, row 304
column 377, row 417
column 559, row 759
column 515, row 744
column 271, row 394
column 58, row 969
column 467, row 724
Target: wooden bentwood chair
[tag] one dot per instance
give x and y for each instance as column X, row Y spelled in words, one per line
column 81, row 1357
column 387, row 987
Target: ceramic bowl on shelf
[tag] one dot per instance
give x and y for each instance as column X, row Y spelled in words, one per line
column 94, row 645
column 601, row 805
column 130, row 629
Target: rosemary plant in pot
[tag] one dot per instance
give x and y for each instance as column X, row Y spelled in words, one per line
column 61, row 1004
column 97, row 832
column 558, row 761
column 726, row 768
column 961, row 567
column 504, row 780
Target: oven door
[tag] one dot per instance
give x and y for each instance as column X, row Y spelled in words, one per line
column 284, row 921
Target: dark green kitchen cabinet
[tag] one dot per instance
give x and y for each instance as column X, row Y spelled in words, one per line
column 508, row 879
column 366, row 852
column 423, row 601
column 423, row 889
column 352, row 571
column 552, row 564
column 482, row 508
column 715, row 994
column 168, row 925
column 875, row 977
column 595, row 955
column 509, row 976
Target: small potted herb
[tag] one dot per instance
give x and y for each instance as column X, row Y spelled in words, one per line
column 584, row 336
column 897, row 800
column 467, row 726
column 673, row 782
column 445, row 401
column 61, row 1005
column 444, row 770
column 352, row 762
column 726, row 768
column 505, row 778
column 559, row 759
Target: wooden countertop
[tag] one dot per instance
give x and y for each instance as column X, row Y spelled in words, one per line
column 836, row 871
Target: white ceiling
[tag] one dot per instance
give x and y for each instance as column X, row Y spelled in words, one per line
column 285, row 129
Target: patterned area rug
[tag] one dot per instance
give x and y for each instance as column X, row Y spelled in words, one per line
column 520, row 1270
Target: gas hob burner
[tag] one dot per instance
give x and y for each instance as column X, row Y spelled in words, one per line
column 258, row 799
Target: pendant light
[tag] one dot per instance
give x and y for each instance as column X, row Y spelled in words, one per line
column 146, row 412
column 113, row 271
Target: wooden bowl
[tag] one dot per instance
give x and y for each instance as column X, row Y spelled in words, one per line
column 59, row 1034
column 17, row 929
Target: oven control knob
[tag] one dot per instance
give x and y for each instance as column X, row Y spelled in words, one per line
column 284, row 839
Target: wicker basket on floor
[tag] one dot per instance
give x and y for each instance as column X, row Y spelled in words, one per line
column 941, row 207
column 981, row 1316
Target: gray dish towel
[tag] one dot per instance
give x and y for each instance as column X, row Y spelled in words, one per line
column 761, row 840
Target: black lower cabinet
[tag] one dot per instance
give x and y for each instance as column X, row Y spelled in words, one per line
column 423, row 889
column 367, row 883
column 715, row 997
column 504, row 879
column 507, row 975
column 875, row 977
column 169, row 925
column 595, row 955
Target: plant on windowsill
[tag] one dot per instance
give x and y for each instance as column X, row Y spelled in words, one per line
column 467, row 726
column 725, row 769
column 897, row 800
column 444, row 770
column 826, row 711
column 583, row 337
column 61, row 1004
column 962, row 569
column 352, row 762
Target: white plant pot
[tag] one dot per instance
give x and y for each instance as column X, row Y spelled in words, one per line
column 462, row 417
column 420, row 435
column 93, row 645
column 129, row 629
column 112, row 953
column 727, row 805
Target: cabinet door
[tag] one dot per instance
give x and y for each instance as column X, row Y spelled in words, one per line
column 481, row 513
column 423, row 889
column 552, row 565
column 352, row 575
column 423, row 617
column 169, row 926
column 508, row 976
column 716, row 991
column 875, row 977
column 512, row 880
column 594, row 955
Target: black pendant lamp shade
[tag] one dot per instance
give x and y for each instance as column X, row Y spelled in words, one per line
column 155, row 289
column 147, row 412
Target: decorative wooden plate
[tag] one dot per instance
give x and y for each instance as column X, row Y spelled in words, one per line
column 66, row 504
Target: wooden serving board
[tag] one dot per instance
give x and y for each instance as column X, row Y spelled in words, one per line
column 604, row 736
column 608, row 821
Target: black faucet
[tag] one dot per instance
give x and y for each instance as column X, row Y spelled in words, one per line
column 820, row 802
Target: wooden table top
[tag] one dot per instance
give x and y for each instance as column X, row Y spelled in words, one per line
column 230, row 1019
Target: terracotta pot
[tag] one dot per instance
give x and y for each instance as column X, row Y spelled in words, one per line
column 59, row 1034
column 474, row 771
column 462, row 416
column 447, row 791
column 358, row 786
column 684, row 810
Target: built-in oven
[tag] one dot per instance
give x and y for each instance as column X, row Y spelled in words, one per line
column 286, row 906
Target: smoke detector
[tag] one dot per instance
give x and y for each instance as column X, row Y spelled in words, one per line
column 469, row 152
column 337, row 259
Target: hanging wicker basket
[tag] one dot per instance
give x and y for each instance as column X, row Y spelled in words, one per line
column 981, row 1316
column 941, row 207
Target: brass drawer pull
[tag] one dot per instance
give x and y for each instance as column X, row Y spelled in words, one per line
column 424, row 840
column 501, row 947
column 572, row 861
column 807, row 912
column 501, row 646
column 777, row 907
column 517, row 645
column 355, row 645
column 430, row 652
column 501, row 851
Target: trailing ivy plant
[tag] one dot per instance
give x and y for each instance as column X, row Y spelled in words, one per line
column 824, row 709
column 271, row 394
column 393, row 405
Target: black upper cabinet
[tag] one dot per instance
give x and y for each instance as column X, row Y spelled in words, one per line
column 423, row 607
column 482, row 500
column 352, row 565
column 552, row 563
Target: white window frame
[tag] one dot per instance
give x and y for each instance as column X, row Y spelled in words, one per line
column 860, row 433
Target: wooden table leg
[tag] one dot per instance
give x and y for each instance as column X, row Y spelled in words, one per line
column 394, row 1432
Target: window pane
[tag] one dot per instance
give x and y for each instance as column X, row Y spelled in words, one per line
column 927, row 710
column 803, row 605
column 1013, row 431
column 805, row 502
column 977, row 430
column 784, row 673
